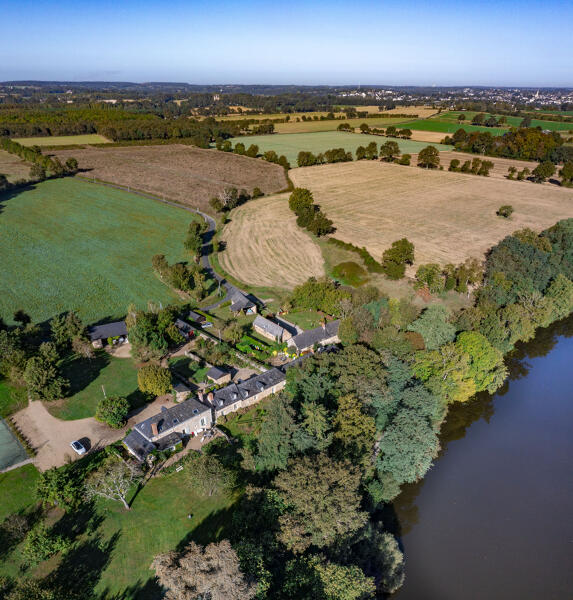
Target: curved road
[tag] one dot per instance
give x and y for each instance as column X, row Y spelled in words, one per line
column 211, row 224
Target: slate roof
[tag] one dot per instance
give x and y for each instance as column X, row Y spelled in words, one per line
column 183, row 326
column 240, row 302
column 107, row 330
column 216, row 373
column 271, row 328
column 233, row 393
column 197, row 317
column 307, row 339
column 170, row 417
column 138, row 444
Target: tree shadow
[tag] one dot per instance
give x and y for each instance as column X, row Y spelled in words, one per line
column 82, row 371
column 10, row 194
column 81, row 568
column 149, row 590
column 75, row 523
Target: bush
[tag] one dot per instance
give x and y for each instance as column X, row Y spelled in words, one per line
column 405, row 160
column 42, row 543
column 112, row 410
column 454, row 165
column 505, row 211
column 350, row 273
column 153, row 379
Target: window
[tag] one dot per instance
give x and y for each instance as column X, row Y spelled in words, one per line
column 203, row 423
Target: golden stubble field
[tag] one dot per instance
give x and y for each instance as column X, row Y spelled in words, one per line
column 265, row 247
column 13, row 166
column 448, row 216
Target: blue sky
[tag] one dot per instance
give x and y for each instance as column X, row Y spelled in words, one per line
column 505, row 42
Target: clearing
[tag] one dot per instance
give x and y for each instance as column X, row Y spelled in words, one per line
column 448, row 216
column 63, row 140
column 68, row 244
column 265, row 246
column 186, row 174
column 291, row 144
column 13, row 166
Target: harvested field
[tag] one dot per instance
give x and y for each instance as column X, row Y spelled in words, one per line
column 448, row 216
column 183, row 173
column 291, row 144
column 435, row 137
column 265, row 247
column 63, row 140
column 332, row 125
column 500, row 165
column 13, row 167
column 423, row 112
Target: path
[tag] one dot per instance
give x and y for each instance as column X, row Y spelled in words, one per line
column 211, row 224
column 51, row 436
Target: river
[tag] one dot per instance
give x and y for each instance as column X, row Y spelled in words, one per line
column 493, row 519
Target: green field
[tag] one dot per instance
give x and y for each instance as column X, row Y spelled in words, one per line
column 68, row 244
column 450, row 126
column 118, row 376
column 290, row 144
column 63, row 140
column 116, row 552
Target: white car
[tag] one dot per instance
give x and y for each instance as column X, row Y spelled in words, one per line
column 78, row 447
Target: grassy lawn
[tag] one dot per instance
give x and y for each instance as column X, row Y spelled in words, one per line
column 117, row 375
column 188, row 368
column 68, row 244
column 245, row 425
column 307, row 319
column 17, row 490
column 115, row 552
column 291, row 144
column 12, row 399
column 63, row 140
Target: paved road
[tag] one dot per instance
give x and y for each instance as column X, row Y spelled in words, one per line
column 206, row 248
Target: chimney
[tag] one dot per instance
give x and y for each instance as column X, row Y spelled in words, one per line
column 154, row 429
column 210, row 398
column 323, row 324
column 200, row 395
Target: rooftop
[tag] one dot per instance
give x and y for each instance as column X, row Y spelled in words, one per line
column 107, row 330
column 271, row 328
column 170, row 417
column 307, row 339
column 216, row 373
column 240, row 301
column 234, row 392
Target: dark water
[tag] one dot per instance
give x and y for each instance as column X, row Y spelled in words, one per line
column 494, row 517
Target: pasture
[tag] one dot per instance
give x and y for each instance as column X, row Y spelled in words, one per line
column 63, row 140
column 264, row 247
column 71, row 245
column 450, row 126
column 448, row 216
column 291, row 144
column 13, row 166
column 187, row 174
column 452, row 116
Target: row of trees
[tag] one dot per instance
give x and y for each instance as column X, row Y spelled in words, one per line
column 477, row 166
column 231, row 197
column 308, row 214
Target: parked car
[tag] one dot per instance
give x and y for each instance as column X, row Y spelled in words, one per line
column 78, row 447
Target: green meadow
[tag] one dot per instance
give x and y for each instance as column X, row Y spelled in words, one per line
column 71, row 245
column 290, row 144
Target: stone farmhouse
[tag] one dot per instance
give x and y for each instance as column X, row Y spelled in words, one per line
column 271, row 330
column 324, row 335
column 242, row 303
column 99, row 334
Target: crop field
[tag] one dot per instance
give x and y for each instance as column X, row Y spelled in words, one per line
column 332, row 125
column 452, row 116
column 451, row 126
column 291, row 144
column 13, row 167
column 265, row 247
column 63, row 140
column 68, row 244
column 186, row 174
column 448, row 216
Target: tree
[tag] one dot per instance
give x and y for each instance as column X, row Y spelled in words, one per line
column 66, row 328
column 407, row 447
column 389, row 151
column 391, row 131
column 59, row 487
column 454, row 165
column 478, row 119
column 37, row 172
column 566, row 174
column 322, row 499
column 211, row 573
column 433, row 326
column 461, row 118
column 430, row 276
column 354, row 429
column 154, row 380
column 543, row 171
column 360, row 153
column 252, row 151
column 505, row 211
column 71, row 165
column 396, row 257
column 42, row 543
column 486, row 365
column 113, row 411
column 42, row 376
column 511, row 171
column 300, row 200
column 429, row 158
column 207, row 475
column 30, row 589
column 112, row 480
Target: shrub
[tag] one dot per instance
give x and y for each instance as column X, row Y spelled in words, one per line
column 405, row 160
column 257, row 193
column 113, row 410
column 505, row 211
column 153, row 379
column 42, row 543
column 454, row 165
column 350, row 273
